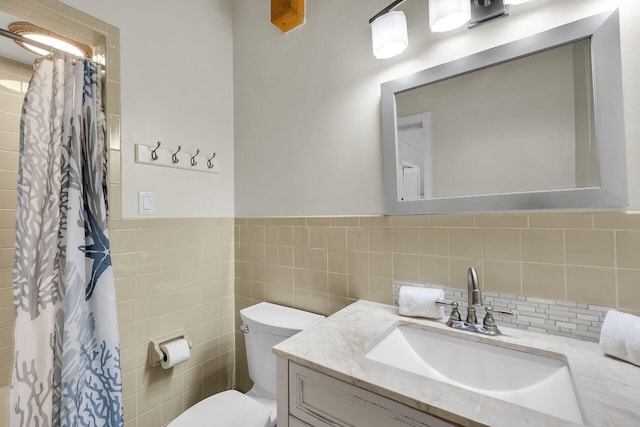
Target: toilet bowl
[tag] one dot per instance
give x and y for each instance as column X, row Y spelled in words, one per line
column 227, row 408
column 264, row 326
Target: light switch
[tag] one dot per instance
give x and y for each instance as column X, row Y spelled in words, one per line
column 145, row 203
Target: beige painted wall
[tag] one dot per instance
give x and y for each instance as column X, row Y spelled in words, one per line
column 311, row 97
column 177, row 88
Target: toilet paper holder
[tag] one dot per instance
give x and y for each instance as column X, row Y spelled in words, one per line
column 155, row 355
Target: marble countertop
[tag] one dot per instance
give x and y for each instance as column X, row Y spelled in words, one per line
column 608, row 389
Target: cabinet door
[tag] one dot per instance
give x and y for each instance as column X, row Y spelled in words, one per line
column 322, row 401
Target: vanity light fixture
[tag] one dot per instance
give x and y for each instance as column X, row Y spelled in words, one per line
column 483, row 10
column 514, row 2
column 48, row 38
column 389, row 28
column 389, row 32
column 447, row 15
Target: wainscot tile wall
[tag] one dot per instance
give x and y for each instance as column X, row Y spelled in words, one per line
column 321, row 264
column 173, row 274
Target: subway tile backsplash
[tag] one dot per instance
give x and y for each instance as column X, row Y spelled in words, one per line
column 555, row 317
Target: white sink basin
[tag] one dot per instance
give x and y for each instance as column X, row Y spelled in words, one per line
column 537, row 382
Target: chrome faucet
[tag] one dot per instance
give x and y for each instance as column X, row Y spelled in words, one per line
column 488, row 325
column 473, row 295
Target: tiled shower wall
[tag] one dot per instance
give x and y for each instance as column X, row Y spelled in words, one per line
column 14, row 78
column 321, row 264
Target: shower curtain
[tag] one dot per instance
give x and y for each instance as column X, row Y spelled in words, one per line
column 67, row 356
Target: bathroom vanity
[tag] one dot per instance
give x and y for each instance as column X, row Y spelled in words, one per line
column 348, row 371
column 316, row 399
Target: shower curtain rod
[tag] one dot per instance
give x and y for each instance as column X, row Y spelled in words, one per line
column 16, row 37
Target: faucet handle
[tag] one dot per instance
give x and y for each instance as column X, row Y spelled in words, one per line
column 493, row 310
column 454, row 316
column 445, row 303
column 488, row 320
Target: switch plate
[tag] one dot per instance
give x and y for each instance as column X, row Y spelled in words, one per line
column 146, row 205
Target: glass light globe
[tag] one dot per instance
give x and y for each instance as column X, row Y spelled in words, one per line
column 389, row 35
column 445, row 15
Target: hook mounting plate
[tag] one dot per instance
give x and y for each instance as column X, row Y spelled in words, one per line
column 185, row 159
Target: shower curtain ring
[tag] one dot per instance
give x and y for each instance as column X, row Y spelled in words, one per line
column 154, row 153
column 209, row 161
column 193, row 159
column 174, row 156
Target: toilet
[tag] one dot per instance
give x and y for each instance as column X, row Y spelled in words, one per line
column 264, row 326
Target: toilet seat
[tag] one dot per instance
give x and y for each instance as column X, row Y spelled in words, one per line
column 226, row 409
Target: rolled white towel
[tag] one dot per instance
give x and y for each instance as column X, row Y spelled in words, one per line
column 420, row 302
column 620, row 336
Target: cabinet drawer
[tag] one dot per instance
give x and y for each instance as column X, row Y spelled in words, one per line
column 294, row 422
column 322, row 401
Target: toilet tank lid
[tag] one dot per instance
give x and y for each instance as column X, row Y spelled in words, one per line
column 283, row 320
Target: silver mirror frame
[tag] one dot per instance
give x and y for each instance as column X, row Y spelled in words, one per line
column 604, row 31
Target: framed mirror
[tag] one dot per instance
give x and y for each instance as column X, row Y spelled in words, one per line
column 533, row 124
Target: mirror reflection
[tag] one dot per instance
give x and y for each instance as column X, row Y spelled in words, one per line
column 533, row 129
column 536, row 123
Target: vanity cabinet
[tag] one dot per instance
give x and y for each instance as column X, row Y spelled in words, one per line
column 307, row 398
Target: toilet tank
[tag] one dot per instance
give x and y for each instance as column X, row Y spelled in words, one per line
column 266, row 325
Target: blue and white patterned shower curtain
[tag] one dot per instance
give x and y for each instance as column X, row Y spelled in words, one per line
column 67, row 355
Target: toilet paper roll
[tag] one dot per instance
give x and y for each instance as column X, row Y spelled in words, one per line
column 174, row 352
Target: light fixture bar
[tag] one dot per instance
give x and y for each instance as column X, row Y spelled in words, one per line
column 385, row 10
column 24, row 40
column 484, row 10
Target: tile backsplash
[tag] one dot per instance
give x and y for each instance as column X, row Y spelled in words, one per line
column 555, row 317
